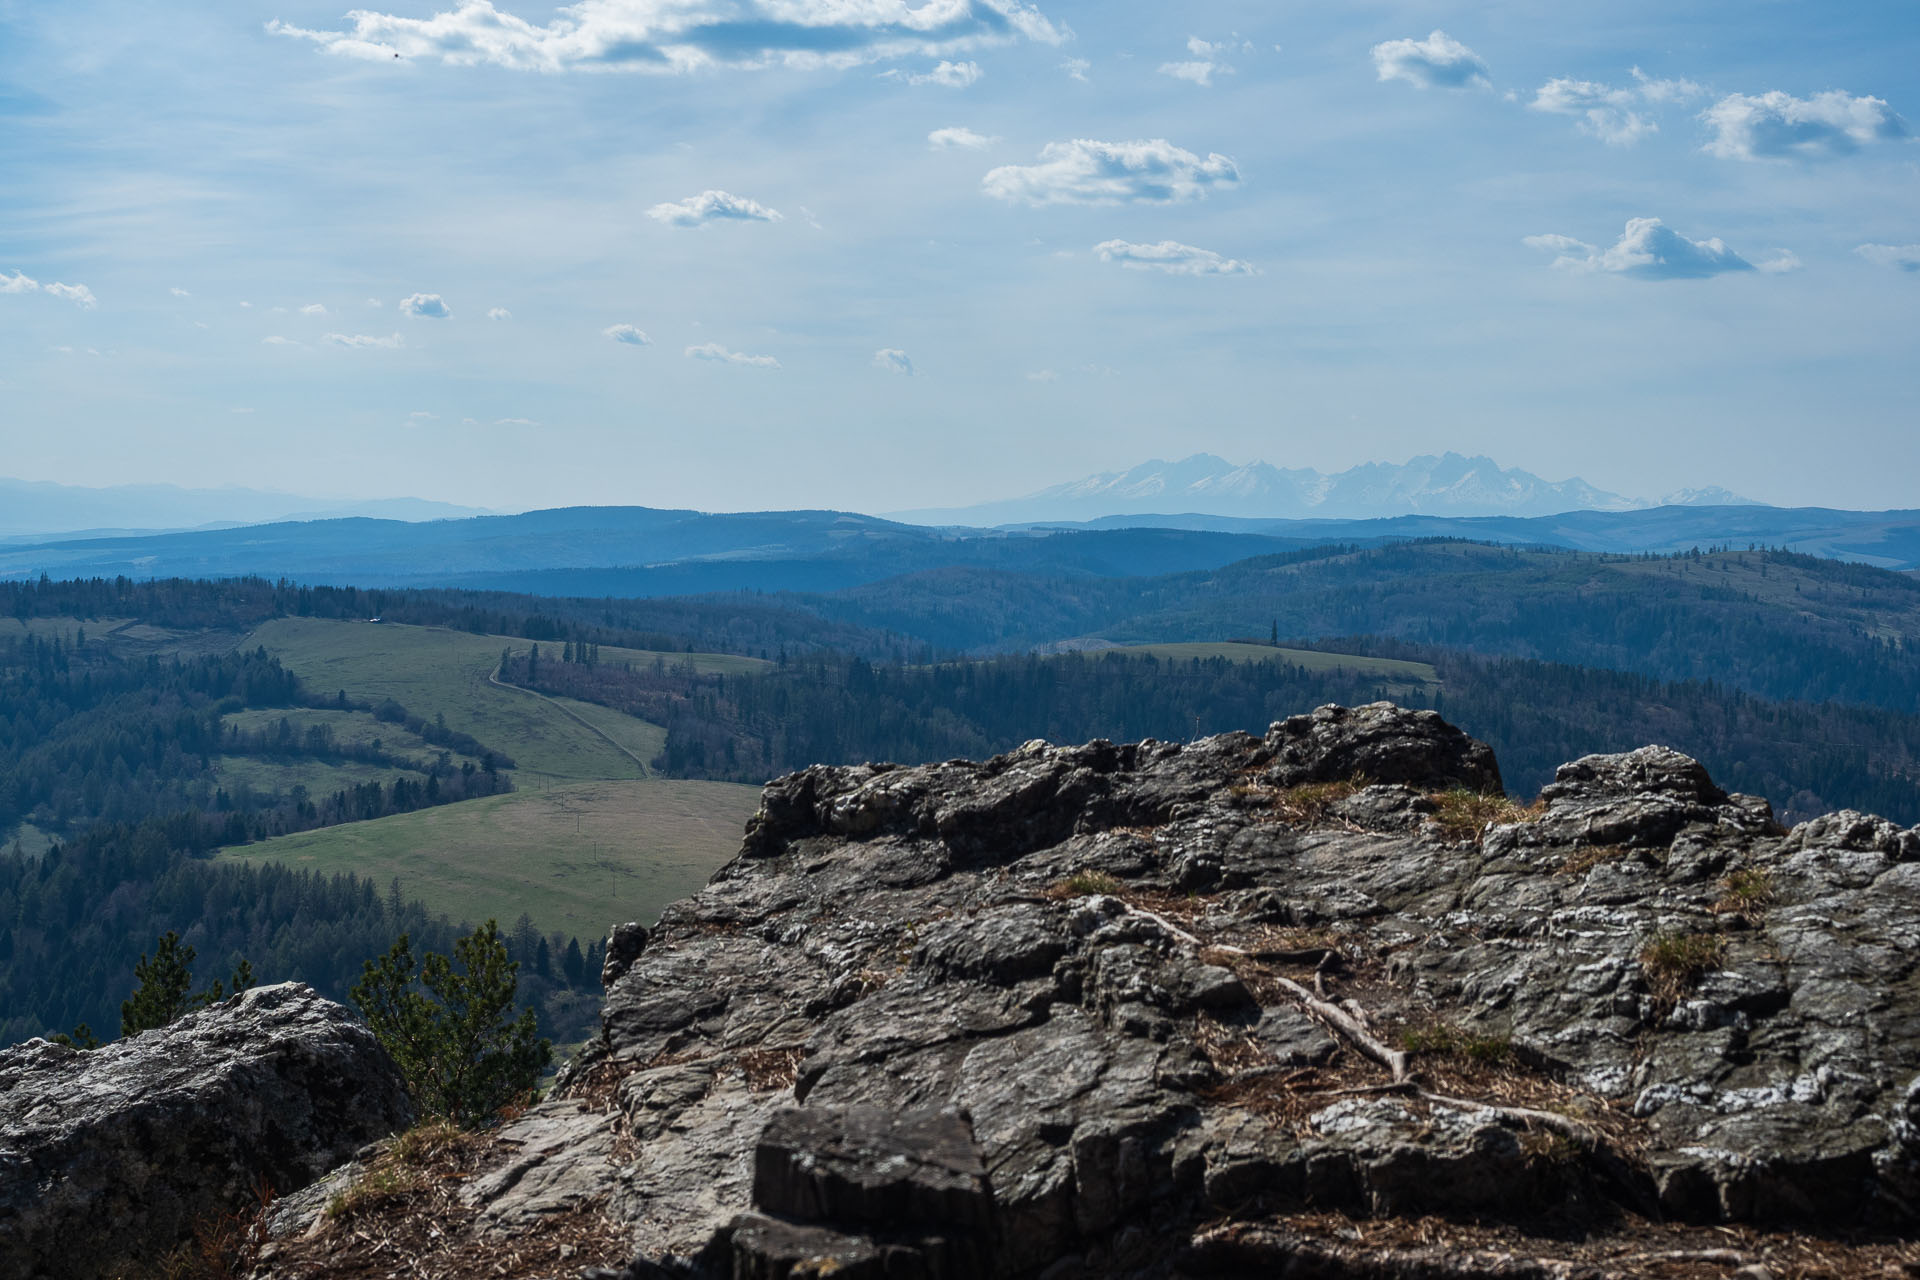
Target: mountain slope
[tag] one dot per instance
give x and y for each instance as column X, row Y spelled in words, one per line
column 1446, row 485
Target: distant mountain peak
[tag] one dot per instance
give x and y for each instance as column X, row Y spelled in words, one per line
column 1445, row 484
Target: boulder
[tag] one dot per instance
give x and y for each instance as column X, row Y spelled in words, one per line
column 116, row 1155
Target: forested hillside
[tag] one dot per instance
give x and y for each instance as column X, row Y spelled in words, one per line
column 126, row 766
column 141, row 729
column 1807, row 758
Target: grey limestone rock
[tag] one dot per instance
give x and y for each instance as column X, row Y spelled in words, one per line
column 1066, row 963
column 115, row 1155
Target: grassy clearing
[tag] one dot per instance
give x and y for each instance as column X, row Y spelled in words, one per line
column 431, row 670
column 1390, row 669
column 350, row 728
column 318, row 776
column 576, row 858
column 30, row 840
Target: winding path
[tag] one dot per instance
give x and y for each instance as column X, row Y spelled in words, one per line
column 493, row 677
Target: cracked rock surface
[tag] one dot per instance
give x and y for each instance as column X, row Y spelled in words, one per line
column 1107, row 1010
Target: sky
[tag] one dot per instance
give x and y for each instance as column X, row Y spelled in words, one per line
column 875, row 255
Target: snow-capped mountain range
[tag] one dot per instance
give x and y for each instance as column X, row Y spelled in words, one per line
column 1444, row 485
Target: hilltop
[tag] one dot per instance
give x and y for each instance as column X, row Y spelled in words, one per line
column 1317, row 1000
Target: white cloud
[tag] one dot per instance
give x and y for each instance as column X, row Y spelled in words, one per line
column 364, row 340
column 949, row 75
column 630, row 334
column 420, row 417
column 1042, row 375
column 78, row 294
column 1173, row 258
column 1652, row 90
column 684, row 36
column 1779, row 126
column 313, row 309
column 712, row 206
column 893, row 360
column 1782, row 261
column 1649, row 250
column 425, row 306
column 18, row 282
column 1076, row 69
column 958, row 138
column 1084, row 171
column 179, row 293
column 246, row 306
column 275, row 340
column 1201, row 68
column 499, row 313
column 1895, row 257
column 375, row 303
column 714, row 351
column 1605, row 112
column 1439, row 61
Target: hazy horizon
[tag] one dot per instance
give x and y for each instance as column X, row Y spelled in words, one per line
column 877, row 257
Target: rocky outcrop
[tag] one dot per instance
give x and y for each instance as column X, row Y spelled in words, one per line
column 113, row 1157
column 1110, row 1010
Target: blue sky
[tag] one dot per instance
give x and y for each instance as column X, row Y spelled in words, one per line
column 754, row 253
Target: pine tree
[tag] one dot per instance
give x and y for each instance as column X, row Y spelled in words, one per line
column 461, row 1057
column 165, row 983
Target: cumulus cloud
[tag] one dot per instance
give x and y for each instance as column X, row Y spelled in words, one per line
column 18, row 282
column 683, row 36
column 499, row 313
column 1173, row 258
column 1439, row 62
column 630, row 334
column 1076, row 69
column 1084, row 171
column 1895, row 257
column 1605, row 112
column 959, row 138
column 712, row 206
column 364, row 340
column 893, row 360
column 1655, row 90
column 313, row 309
column 1648, row 250
column 1204, row 64
column 426, row 306
column 714, row 351
column 1779, row 126
column 179, row 293
column 1782, row 261
column 949, row 75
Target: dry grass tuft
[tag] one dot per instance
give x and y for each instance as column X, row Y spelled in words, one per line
column 1085, row 884
column 1581, row 861
column 1749, row 892
column 1307, row 803
column 1464, row 815
column 1441, row 1039
column 1674, row 963
column 770, row 1069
